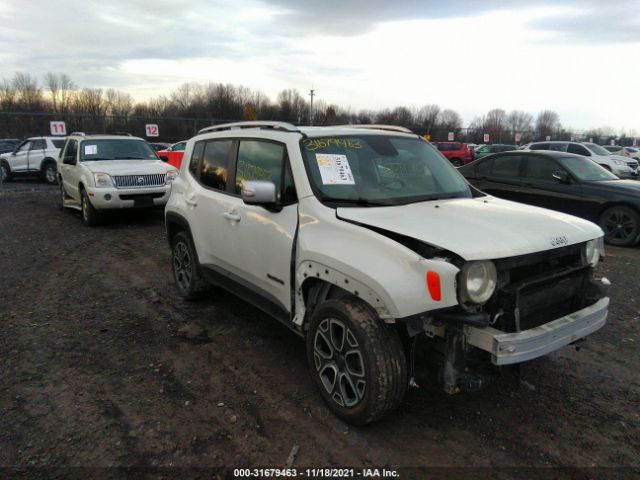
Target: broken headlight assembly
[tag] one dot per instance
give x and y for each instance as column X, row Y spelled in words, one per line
column 592, row 251
column 477, row 282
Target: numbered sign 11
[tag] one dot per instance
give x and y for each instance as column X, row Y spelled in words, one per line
column 518, row 137
column 486, row 138
column 152, row 130
column 58, row 128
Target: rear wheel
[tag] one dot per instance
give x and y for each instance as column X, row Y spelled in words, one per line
column 456, row 162
column 49, row 173
column 186, row 271
column 356, row 361
column 5, row 172
column 621, row 225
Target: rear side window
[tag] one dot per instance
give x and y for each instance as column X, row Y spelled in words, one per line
column 558, row 147
column 540, row 146
column 507, row 166
column 57, row 143
column 214, row 170
column 541, row 168
column 196, row 158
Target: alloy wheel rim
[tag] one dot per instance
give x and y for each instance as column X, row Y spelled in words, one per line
column 339, row 362
column 182, row 265
column 619, row 225
column 50, row 174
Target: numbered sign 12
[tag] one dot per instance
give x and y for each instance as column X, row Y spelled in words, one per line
column 450, row 136
column 518, row 137
column 58, row 128
column 486, row 138
column 152, row 130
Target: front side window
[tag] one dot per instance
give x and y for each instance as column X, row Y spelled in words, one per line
column 72, row 149
column 23, row 147
column 578, row 150
column 539, row 146
column 39, row 144
column 58, row 143
column 586, row 170
column 262, row 160
column 115, row 149
column 214, row 169
column 371, row 170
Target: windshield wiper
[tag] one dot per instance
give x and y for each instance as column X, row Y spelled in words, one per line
column 131, row 157
column 95, row 159
column 361, row 202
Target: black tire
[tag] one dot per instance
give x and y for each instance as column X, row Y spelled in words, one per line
column 358, row 387
column 621, row 225
column 5, row 172
column 185, row 268
column 63, row 195
column 90, row 216
column 49, row 173
column 456, row 162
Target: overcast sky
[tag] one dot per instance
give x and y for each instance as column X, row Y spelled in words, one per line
column 580, row 58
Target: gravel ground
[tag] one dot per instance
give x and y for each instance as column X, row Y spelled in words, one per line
column 102, row 365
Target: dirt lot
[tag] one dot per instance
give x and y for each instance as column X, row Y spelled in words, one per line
column 102, row 365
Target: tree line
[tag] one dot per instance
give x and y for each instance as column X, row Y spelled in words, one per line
column 27, row 104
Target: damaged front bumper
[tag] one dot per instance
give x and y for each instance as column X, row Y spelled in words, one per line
column 510, row 348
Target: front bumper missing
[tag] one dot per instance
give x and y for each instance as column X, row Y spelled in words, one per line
column 509, row 348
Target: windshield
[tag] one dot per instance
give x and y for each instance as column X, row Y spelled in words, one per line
column 371, row 170
column 116, row 149
column 586, row 170
column 597, row 149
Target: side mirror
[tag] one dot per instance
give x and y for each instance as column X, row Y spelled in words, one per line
column 69, row 160
column 259, row 192
column 562, row 177
column 164, row 158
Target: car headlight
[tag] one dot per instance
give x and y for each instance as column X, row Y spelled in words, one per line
column 478, row 282
column 619, row 162
column 172, row 175
column 102, row 180
column 592, row 251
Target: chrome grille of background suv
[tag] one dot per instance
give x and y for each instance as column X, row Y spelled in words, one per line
column 140, row 181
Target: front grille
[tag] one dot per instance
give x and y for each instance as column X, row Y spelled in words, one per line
column 538, row 288
column 140, row 181
column 141, row 196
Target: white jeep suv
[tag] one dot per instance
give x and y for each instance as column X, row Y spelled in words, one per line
column 109, row 172
column 362, row 240
column 34, row 156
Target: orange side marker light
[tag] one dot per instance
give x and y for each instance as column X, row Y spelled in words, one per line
column 433, row 285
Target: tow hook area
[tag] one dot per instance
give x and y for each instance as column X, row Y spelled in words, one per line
column 456, row 376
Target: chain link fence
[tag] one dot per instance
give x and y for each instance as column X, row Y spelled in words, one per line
column 174, row 129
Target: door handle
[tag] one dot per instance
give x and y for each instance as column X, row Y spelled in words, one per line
column 193, row 203
column 234, row 217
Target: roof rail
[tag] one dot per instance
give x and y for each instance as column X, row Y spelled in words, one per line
column 284, row 126
column 391, row 128
column 82, row 134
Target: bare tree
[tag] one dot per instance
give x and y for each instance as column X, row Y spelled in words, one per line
column 450, row 120
column 7, row 95
column 28, row 93
column 427, row 117
column 519, row 121
column 547, row 123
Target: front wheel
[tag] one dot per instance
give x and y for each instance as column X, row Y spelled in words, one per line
column 621, row 225
column 356, row 361
column 90, row 216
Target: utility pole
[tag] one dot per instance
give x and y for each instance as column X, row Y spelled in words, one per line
column 311, row 94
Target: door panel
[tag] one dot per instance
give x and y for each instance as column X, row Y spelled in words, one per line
column 19, row 161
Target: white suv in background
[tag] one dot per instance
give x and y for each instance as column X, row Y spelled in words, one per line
column 109, row 172
column 34, row 156
column 362, row 239
column 623, row 167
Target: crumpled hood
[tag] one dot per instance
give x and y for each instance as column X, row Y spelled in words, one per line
column 478, row 229
column 129, row 167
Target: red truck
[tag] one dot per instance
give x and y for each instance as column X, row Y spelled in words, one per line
column 456, row 152
column 173, row 154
